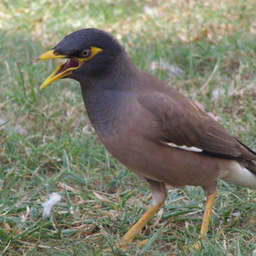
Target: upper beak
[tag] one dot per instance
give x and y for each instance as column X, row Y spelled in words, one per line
column 63, row 70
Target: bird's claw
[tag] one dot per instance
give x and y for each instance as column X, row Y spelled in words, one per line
column 124, row 245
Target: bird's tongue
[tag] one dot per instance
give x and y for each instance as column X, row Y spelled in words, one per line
column 71, row 63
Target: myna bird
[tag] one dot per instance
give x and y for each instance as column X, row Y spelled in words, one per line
column 148, row 126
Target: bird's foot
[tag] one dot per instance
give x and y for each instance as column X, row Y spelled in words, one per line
column 197, row 245
column 125, row 244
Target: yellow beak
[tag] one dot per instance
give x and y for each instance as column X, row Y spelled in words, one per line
column 62, row 70
column 67, row 68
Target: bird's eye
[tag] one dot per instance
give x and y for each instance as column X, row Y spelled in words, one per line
column 86, row 53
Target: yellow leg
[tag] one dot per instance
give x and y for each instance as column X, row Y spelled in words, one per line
column 207, row 214
column 206, row 218
column 131, row 233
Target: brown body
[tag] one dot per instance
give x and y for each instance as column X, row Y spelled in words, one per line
column 141, row 139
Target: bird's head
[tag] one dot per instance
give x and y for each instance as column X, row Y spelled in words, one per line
column 89, row 52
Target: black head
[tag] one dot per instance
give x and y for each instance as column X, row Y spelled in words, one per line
column 90, row 53
column 74, row 43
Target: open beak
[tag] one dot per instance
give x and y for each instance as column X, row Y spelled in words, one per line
column 63, row 70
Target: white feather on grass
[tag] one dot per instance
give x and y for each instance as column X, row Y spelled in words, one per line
column 48, row 204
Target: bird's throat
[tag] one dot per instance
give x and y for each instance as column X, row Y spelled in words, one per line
column 103, row 107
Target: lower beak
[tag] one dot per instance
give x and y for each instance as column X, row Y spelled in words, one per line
column 63, row 70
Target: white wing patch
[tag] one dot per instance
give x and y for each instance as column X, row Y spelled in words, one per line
column 191, row 149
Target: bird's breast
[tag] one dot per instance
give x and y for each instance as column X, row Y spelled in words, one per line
column 107, row 112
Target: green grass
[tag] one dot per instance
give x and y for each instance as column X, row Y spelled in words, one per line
column 48, row 145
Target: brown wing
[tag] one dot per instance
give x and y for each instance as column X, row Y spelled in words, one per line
column 184, row 124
